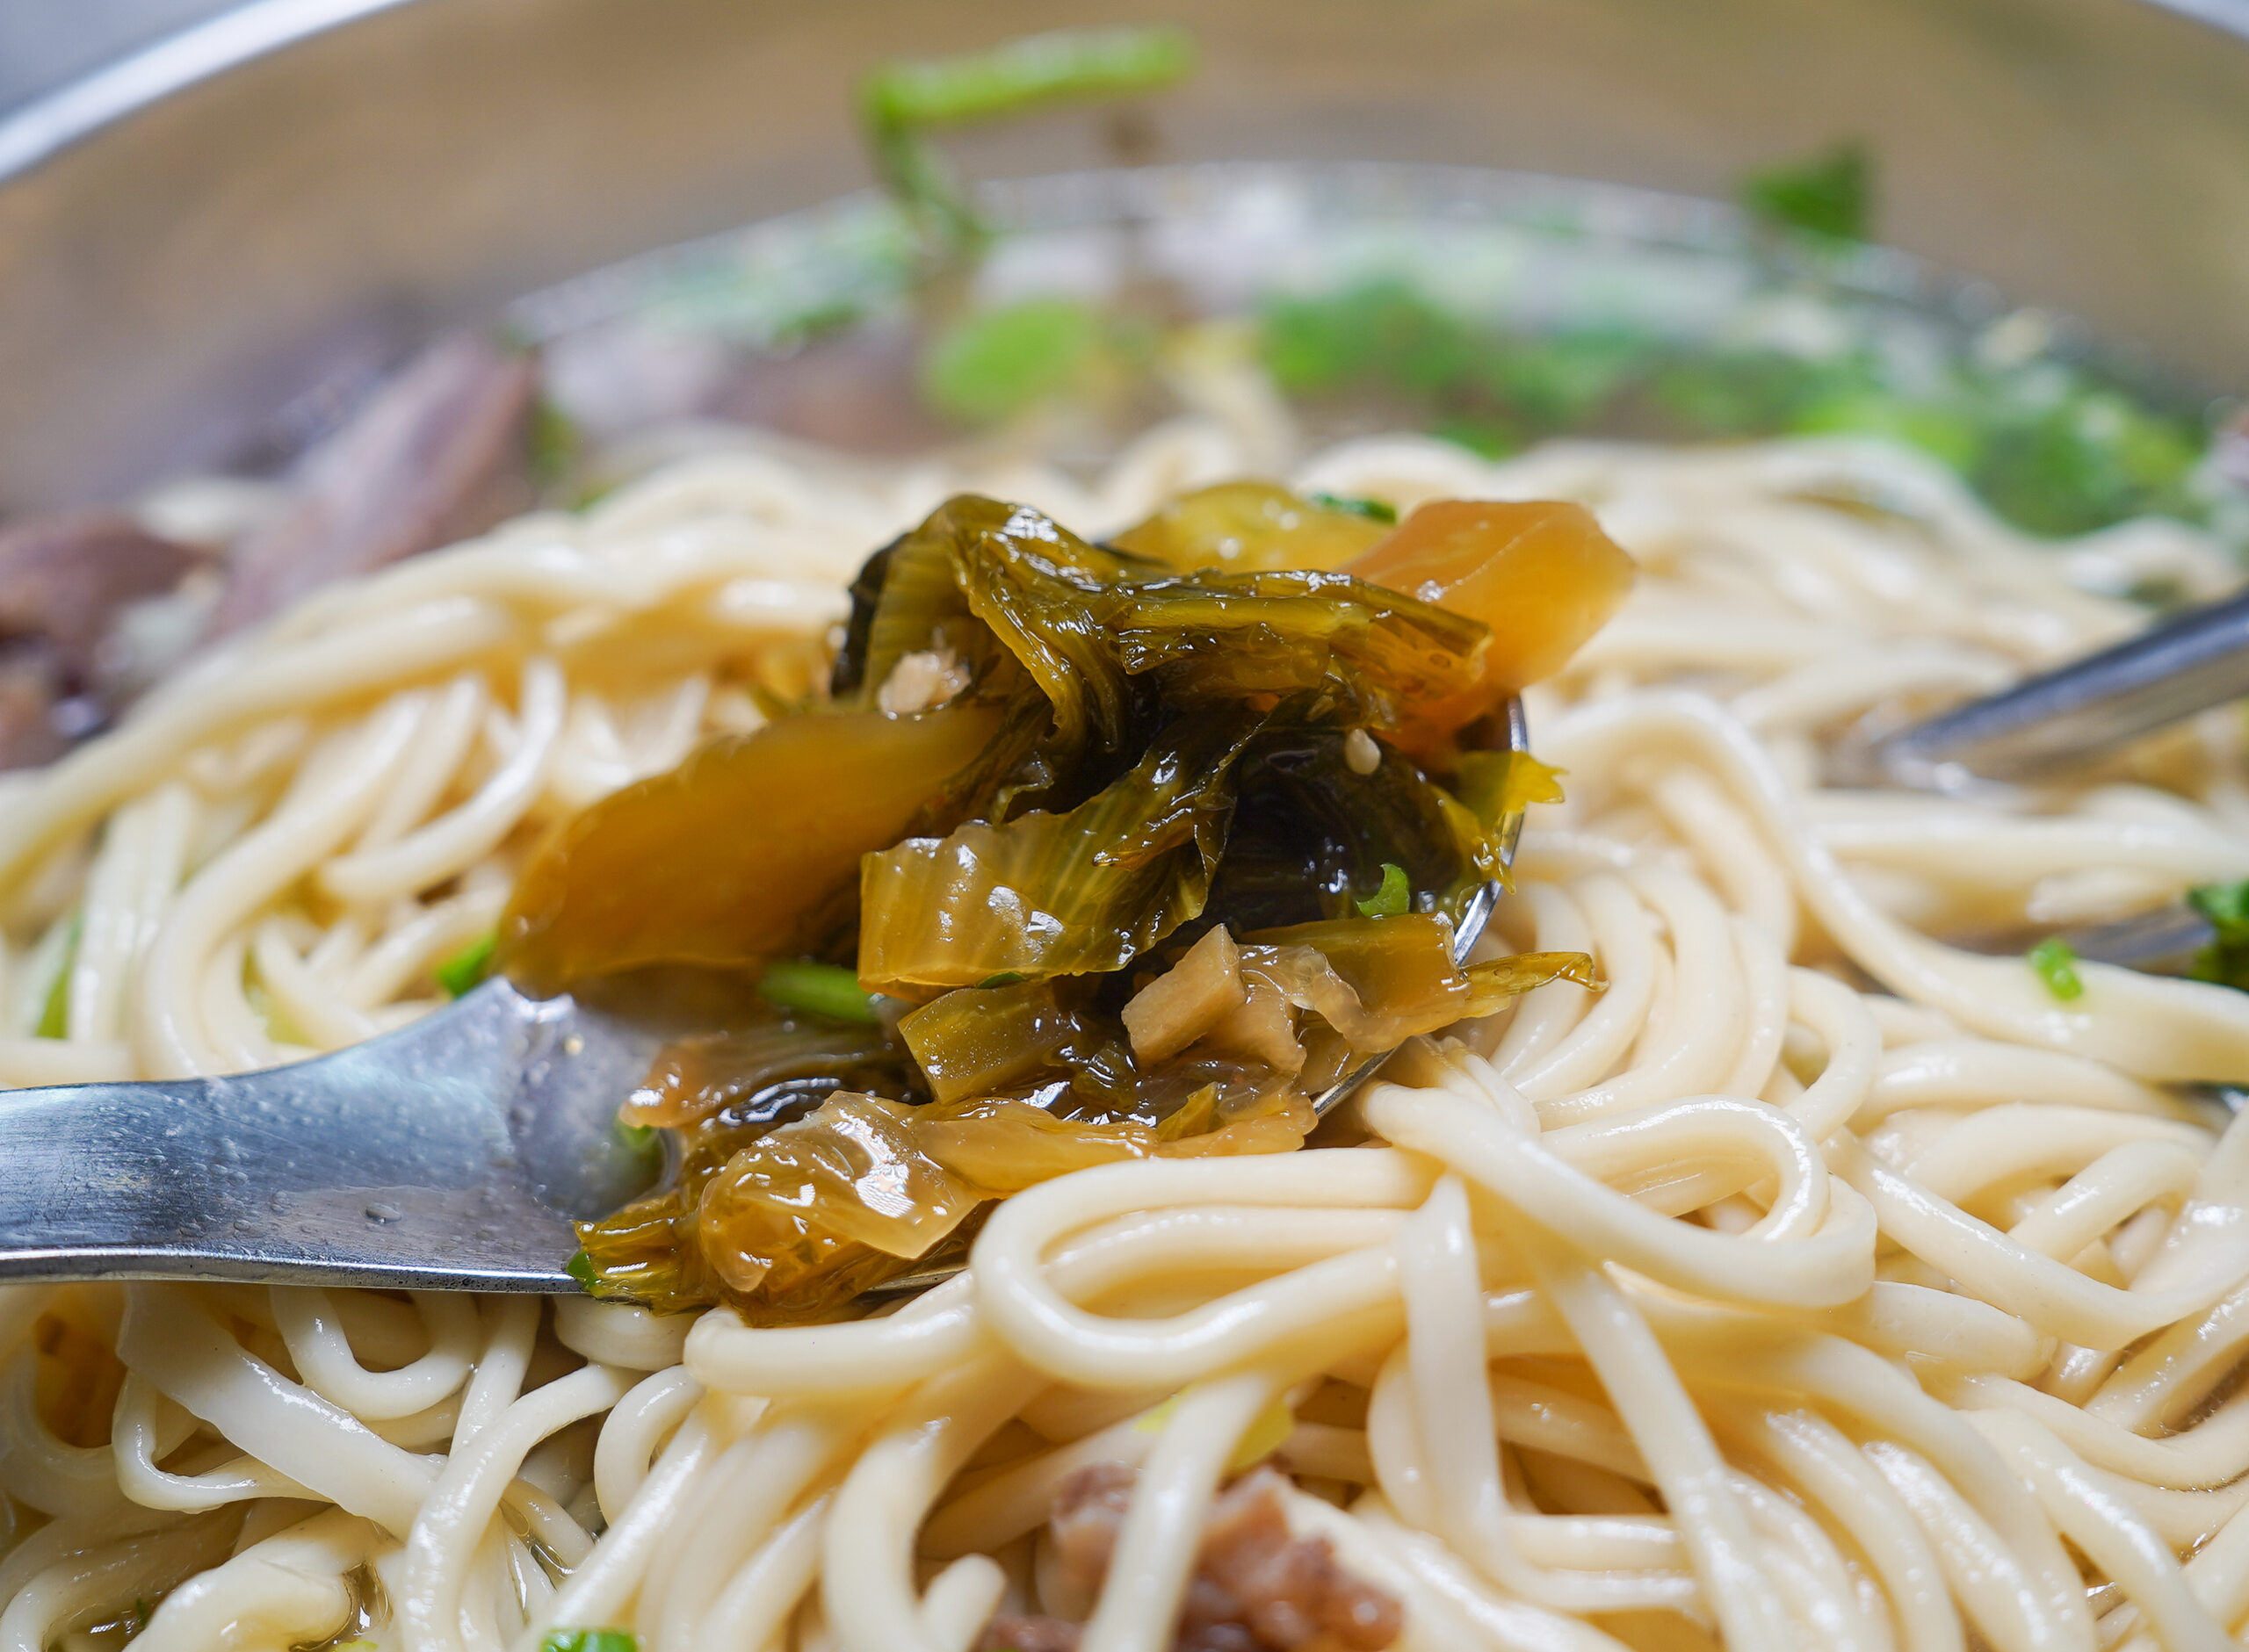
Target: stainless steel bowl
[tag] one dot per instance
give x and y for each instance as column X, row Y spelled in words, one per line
column 194, row 237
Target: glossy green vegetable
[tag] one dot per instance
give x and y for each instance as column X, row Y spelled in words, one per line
column 1310, row 835
column 1009, row 592
column 1492, row 785
column 1247, row 527
column 993, row 1039
column 1058, row 894
column 747, row 1074
column 747, row 852
column 2056, row 964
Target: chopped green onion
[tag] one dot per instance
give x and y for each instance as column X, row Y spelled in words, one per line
column 820, row 989
column 2226, row 959
column 1379, row 511
column 2226, row 905
column 54, row 1014
column 1831, row 194
column 581, row 1268
column 991, row 365
column 555, row 441
column 899, row 102
column 1395, row 897
column 590, row 1640
column 2057, row 967
column 1486, row 438
column 1024, row 73
column 466, row 969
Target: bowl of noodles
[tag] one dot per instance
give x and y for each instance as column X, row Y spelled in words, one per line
column 1023, row 667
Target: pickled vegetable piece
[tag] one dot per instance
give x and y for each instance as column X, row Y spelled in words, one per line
column 695, row 1078
column 1491, row 983
column 1492, row 785
column 790, row 1221
column 1131, row 767
column 1543, row 576
column 1379, row 981
column 984, row 1041
column 748, row 851
column 863, row 1190
column 1030, row 582
column 851, row 1176
column 1311, row 836
column 1250, row 527
column 1229, row 636
column 1397, row 966
column 1057, row 894
column 1187, row 1000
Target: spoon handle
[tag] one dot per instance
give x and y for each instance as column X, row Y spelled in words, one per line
column 2186, row 665
column 423, row 1158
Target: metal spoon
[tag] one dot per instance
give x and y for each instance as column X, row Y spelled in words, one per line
column 451, row 1155
column 2061, row 717
column 2064, row 717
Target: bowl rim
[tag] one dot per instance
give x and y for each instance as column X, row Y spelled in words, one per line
column 67, row 115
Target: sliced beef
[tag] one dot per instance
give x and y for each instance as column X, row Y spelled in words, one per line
column 1089, row 1510
column 1289, row 1592
column 438, row 453
column 1018, row 1632
column 31, row 687
column 64, row 577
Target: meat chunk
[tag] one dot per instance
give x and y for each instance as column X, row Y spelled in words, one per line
column 1089, row 1509
column 1288, row 1591
column 30, row 686
column 439, row 452
column 1019, row 1632
column 65, row 580
column 1256, row 1587
column 64, row 577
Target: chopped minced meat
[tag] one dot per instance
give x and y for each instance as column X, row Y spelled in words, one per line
column 1018, row 1632
column 1256, row 1588
column 921, row 681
